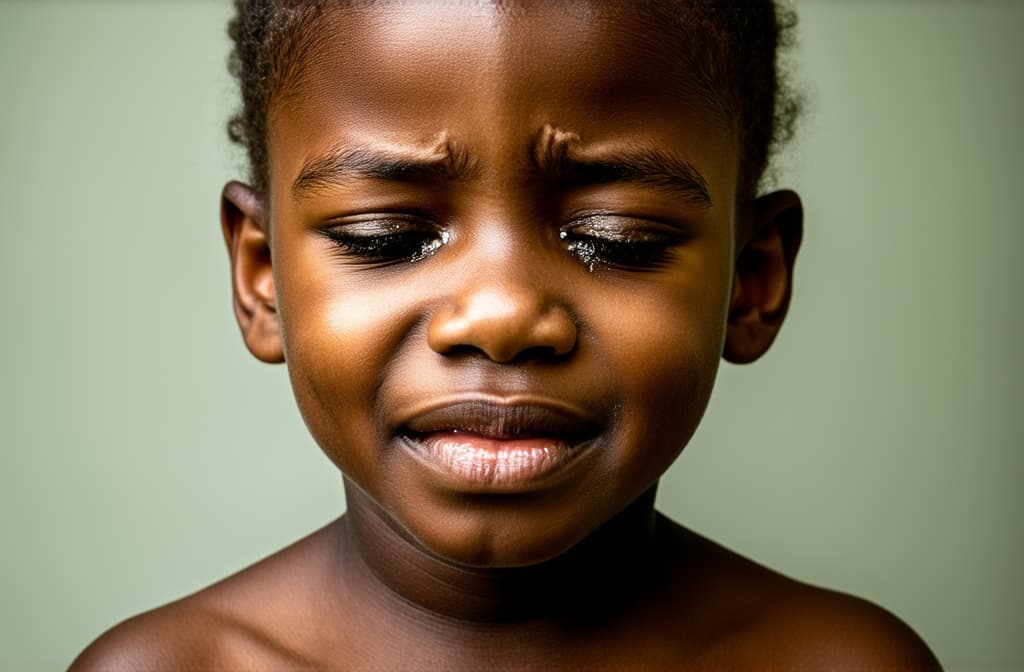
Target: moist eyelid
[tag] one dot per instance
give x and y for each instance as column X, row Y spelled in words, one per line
column 384, row 239
column 623, row 229
column 618, row 241
column 593, row 252
column 371, row 224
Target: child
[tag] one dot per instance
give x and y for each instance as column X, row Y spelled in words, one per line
column 502, row 247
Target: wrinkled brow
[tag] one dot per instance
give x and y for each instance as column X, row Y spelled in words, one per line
column 561, row 157
column 343, row 163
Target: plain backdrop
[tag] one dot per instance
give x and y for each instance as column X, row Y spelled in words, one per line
column 876, row 449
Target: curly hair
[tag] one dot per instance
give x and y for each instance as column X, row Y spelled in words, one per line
column 733, row 48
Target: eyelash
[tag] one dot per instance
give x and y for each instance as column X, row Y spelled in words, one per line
column 596, row 240
column 387, row 240
column 646, row 247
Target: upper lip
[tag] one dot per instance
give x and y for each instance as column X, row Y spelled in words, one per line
column 503, row 419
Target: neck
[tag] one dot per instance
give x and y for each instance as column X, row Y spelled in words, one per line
column 592, row 581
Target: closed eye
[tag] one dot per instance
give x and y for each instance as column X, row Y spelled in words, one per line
column 621, row 242
column 382, row 240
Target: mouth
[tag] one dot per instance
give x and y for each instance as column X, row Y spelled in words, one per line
column 481, row 445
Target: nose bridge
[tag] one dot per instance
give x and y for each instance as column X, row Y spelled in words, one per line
column 503, row 302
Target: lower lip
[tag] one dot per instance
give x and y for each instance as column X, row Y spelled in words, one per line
column 480, row 462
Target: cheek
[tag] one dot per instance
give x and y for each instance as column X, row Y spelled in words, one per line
column 666, row 350
column 338, row 342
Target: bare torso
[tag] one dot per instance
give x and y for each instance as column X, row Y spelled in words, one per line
column 700, row 607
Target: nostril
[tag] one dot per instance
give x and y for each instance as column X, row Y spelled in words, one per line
column 555, row 332
column 457, row 351
column 536, row 353
column 505, row 327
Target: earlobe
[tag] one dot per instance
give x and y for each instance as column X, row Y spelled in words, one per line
column 243, row 224
column 764, row 277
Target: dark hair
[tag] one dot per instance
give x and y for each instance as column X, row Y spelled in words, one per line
column 734, row 49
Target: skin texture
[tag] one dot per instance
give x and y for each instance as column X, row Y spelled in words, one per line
column 508, row 230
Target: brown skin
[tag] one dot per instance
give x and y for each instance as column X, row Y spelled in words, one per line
column 493, row 290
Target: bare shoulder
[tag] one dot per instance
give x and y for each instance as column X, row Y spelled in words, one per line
column 761, row 619
column 247, row 621
column 177, row 636
column 823, row 629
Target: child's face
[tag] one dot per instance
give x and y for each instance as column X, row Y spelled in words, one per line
column 517, row 324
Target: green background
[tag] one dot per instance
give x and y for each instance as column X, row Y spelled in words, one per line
column 875, row 450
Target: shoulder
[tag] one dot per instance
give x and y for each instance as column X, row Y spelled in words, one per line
column 761, row 619
column 187, row 635
column 174, row 637
column 247, row 621
column 823, row 629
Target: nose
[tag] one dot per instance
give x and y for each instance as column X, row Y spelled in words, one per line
column 505, row 322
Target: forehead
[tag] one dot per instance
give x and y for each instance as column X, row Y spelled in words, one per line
column 409, row 40
column 401, row 72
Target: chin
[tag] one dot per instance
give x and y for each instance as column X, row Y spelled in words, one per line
column 499, row 545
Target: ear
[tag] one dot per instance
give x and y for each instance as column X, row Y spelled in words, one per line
column 764, row 277
column 243, row 223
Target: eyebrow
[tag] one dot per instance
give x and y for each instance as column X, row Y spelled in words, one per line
column 646, row 166
column 556, row 161
column 340, row 164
